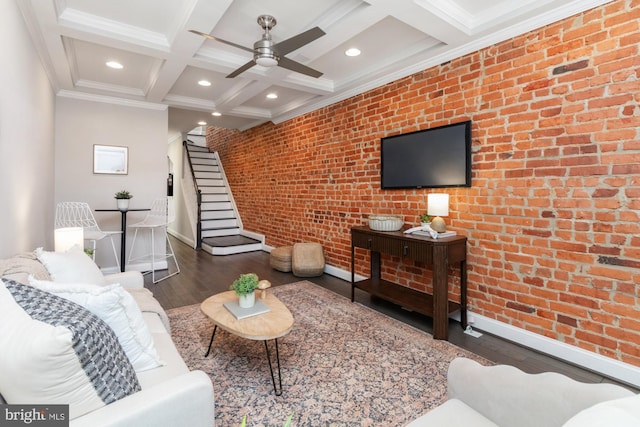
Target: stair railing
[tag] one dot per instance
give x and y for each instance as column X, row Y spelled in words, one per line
column 198, row 199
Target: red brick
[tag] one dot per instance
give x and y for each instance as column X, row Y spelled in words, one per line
column 554, row 208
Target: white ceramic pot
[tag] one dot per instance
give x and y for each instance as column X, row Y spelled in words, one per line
column 247, row 301
column 123, row 204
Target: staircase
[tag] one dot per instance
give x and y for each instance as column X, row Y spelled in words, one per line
column 221, row 228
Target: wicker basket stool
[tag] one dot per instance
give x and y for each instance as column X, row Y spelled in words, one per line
column 307, row 259
column 280, row 258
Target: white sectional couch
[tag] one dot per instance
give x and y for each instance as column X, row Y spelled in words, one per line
column 504, row 396
column 170, row 394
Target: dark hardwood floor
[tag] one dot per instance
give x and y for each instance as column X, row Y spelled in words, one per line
column 203, row 275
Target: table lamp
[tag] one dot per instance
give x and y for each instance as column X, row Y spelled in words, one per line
column 67, row 237
column 438, row 205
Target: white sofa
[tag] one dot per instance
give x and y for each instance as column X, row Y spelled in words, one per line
column 504, row 396
column 170, row 395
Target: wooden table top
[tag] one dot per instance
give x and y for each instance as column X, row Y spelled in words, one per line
column 274, row 324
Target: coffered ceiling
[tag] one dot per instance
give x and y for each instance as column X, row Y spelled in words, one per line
column 163, row 61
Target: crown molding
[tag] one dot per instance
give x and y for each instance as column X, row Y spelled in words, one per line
column 82, row 96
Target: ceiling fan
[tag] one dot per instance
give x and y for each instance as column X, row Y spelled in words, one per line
column 269, row 54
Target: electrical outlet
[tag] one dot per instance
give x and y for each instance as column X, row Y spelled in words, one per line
column 470, row 331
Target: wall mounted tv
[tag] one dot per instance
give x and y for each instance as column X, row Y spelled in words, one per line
column 437, row 157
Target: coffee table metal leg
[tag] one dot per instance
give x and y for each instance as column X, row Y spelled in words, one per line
column 211, row 342
column 277, row 391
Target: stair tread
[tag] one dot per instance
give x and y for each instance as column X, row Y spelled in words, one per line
column 233, row 240
column 220, row 228
column 230, row 211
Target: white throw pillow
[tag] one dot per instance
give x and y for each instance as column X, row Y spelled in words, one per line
column 56, row 352
column 119, row 310
column 72, row 266
column 623, row 412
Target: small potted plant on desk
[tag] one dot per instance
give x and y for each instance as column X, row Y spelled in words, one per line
column 122, row 198
column 425, row 219
column 245, row 286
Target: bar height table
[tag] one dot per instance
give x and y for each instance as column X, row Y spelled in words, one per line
column 123, row 226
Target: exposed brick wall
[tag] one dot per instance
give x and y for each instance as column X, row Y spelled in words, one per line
column 553, row 216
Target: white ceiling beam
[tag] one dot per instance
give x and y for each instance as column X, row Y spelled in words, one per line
column 202, row 14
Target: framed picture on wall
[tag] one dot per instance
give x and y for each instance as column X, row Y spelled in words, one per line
column 110, row 159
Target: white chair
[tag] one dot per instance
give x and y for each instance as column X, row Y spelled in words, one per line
column 158, row 219
column 78, row 214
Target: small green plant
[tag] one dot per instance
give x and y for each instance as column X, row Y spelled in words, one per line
column 124, row 194
column 245, row 284
column 88, row 252
column 425, row 217
column 287, row 423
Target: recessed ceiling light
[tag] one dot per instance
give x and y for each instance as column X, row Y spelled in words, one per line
column 352, row 51
column 215, row 113
column 272, row 95
column 115, row 65
column 204, row 83
column 202, row 123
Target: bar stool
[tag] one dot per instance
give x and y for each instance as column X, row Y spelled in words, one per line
column 78, row 214
column 157, row 220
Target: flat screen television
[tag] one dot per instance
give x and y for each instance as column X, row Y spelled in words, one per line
column 436, row 157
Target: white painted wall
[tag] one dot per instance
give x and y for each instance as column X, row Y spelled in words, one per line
column 183, row 226
column 141, row 127
column 26, row 140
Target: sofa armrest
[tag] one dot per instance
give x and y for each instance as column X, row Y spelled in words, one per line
column 186, row 400
column 127, row 279
column 511, row 397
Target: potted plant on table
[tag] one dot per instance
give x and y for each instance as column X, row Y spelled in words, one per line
column 425, row 219
column 122, row 198
column 245, row 286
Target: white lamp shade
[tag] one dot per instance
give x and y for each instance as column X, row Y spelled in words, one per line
column 67, row 237
column 438, row 204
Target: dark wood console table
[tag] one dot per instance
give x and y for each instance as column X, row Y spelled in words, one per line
column 437, row 253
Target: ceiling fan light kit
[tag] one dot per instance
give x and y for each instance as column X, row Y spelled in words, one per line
column 269, row 54
column 264, row 53
column 266, row 60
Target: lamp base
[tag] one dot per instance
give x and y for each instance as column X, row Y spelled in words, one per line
column 437, row 224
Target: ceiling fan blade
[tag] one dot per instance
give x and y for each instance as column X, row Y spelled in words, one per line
column 242, row 69
column 292, row 65
column 295, row 42
column 209, row 36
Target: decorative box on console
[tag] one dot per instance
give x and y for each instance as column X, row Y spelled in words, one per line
column 385, row 222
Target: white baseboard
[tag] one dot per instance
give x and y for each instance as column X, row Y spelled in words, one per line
column 606, row 366
column 342, row 274
column 188, row 240
column 110, row 270
column 253, row 235
column 146, row 266
column 160, row 265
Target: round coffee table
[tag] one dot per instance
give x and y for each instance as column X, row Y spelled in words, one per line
column 277, row 322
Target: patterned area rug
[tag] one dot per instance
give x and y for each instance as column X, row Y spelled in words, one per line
column 343, row 364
